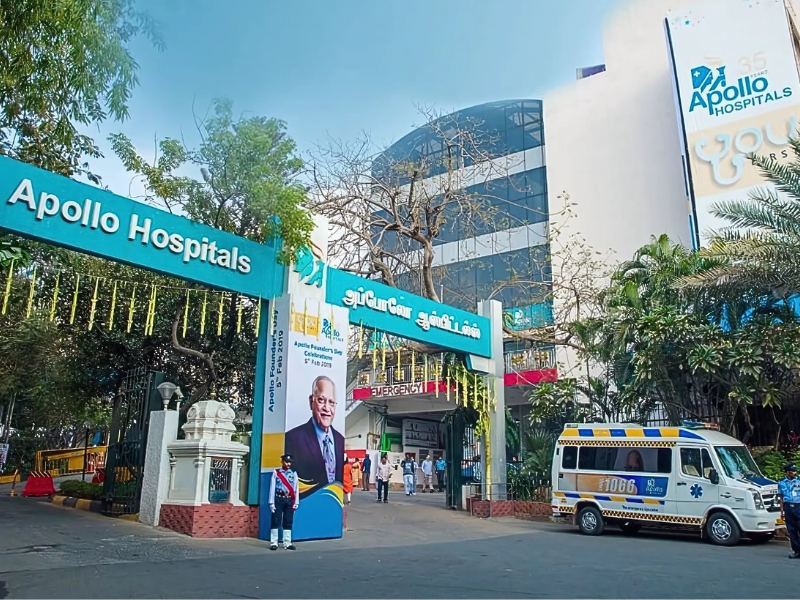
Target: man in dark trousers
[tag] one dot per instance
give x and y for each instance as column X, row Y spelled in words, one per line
column 317, row 448
column 283, row 501
column 366, row 466
column 789, row 492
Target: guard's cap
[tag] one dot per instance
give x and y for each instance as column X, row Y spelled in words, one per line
column 287, row 458
column 790, row 467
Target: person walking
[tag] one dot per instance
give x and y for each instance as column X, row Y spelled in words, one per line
column 347, row 480
column 356, row 473
column 789, row 493
column 366, row 466
column 440, row 467
column 382, row 477
column 427, row 474
column 283, row 501
column 409, row 466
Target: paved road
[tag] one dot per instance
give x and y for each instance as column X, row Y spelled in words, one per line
column 410, row 548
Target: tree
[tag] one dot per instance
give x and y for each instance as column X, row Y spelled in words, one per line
column 249, row 176
column 391, row 207
column 65, row 64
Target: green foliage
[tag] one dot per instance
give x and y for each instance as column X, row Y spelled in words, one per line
column 249, row 178
column 771, row 464
column 64, row 64
column 80, row 489
column 539, row 448
column 660, row 343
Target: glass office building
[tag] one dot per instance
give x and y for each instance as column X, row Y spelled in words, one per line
column 498, row 248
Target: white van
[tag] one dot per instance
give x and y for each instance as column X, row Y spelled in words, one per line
column 691, row 476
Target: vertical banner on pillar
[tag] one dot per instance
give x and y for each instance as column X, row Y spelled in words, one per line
column 306, row 385
column 274, row 419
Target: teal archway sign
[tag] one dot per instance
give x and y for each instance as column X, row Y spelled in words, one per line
column 41, row 205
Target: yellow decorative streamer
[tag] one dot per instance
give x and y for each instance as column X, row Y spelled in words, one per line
column 383, row 351
column 30, row 294
column 448, row 389
column 8, row 285
column 425, row 373
column 361, row 339
column 151, row 311
column 131, row 308
column 155, row 302
column 186, row 312
column 258, row 317
column 93, row 310
column 239, row 316
column 220, row 311
column 375, row 350
column 475, row 389
column 113, row 307
column 203, row 314
column 75, row 299
column 437, row 375
column 399, row 372
column 413, row 373
column 54, row 301
column 305, row 317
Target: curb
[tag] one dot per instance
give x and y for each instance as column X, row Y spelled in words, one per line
column 79, row 503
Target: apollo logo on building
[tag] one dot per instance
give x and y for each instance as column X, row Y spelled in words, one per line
column 711, row 91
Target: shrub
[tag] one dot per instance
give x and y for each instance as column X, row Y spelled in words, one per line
column 81, row 489
column 771, row 464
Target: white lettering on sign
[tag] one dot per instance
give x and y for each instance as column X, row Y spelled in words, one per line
column 355, row 298
column 92, row 216
column 401, row 389
column 359, row 297
column 448, row 323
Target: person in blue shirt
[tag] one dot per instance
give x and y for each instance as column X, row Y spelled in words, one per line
column 440, row 467
column 283, row 501
column 789, row 492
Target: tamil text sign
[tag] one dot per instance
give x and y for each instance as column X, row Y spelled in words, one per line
column 375, row 305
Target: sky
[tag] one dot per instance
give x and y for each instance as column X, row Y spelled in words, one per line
column 337, row 69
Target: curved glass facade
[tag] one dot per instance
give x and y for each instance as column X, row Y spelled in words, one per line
column 519, row 276
column 498, row 129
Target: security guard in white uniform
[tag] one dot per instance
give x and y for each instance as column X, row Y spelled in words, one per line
column 284, row 499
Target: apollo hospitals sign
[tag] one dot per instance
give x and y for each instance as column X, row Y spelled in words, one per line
column 42, row 205
column 737, row 92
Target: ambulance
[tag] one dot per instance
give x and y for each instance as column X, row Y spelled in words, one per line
column 690, row 476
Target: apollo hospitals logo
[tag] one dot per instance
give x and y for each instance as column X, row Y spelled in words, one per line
column 712, row 91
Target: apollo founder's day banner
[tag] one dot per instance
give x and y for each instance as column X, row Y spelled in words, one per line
column 304, row 408
column 737, row 84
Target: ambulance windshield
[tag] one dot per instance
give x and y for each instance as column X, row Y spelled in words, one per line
column 737, row 462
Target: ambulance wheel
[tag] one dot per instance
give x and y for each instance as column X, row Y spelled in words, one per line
column 760, row 538
column 629, row 527
column 722, row 530
column 590, row 521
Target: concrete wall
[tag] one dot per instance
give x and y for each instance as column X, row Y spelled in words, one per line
column 613, row 143
column 358, row 422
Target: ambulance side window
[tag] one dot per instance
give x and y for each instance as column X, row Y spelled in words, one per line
column 570, row 458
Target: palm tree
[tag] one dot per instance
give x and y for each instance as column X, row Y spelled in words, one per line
column 760, row 248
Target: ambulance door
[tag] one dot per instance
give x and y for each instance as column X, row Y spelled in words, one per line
column 694, row 492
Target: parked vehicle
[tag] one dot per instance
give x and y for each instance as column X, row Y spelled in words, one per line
column 691, row 476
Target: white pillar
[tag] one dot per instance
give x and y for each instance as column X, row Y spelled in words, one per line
column 496, row 481
column 163, row 430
